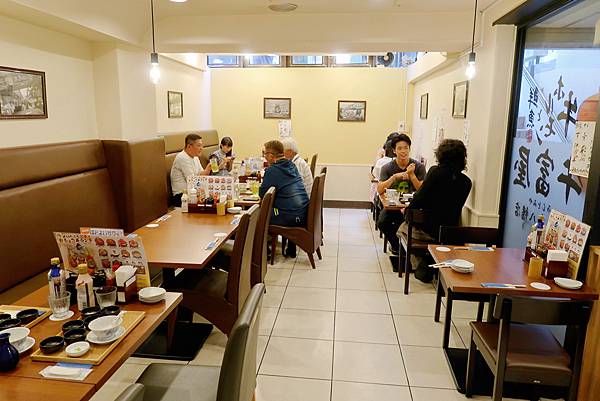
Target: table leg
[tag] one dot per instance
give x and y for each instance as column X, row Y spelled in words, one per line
column 448, row 321
column 439, row 293
column 171, row 320
column 491, row 306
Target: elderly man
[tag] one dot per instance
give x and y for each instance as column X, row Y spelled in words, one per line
column 290, row 151
column 186, row 164
column 290, row 205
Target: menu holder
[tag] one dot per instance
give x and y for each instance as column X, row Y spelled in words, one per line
column 12, row 309
column 202, row 208
column 97, row 352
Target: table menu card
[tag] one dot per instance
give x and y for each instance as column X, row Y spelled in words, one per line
column 209, row 186
column 567, row 233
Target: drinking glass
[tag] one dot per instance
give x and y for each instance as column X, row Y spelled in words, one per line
column 60, row 305
column 106, row 296
column 254, row 187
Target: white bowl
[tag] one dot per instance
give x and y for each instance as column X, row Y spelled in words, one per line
column 151, row 300
column 462, row 264
column 18, row 335
column 568, row 283
column 151, row 292
column 105, row 326
column 234, row 210
column 77, row 349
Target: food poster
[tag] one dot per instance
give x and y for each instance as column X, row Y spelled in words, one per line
column 106, row 232
column 104, row 252
column 211, row 186
column 581, row 153
column 569, row 234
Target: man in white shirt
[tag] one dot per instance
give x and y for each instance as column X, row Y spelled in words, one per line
column 186, row 164
column 290, row 151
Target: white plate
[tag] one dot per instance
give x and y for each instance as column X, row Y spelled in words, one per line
column 26, row 346
column 443, row 249
column 151, row 300
column 151, row 292
column 462, row 264
column 152, row 225
column 540, row 286
column 77, row 349
column 59, row 319
column 568, row 283
column 91, row 337
column 220, row 235
column 234, row 210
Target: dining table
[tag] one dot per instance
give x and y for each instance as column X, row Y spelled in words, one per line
column 26, row 383
column 491, row 265
column 400, row 206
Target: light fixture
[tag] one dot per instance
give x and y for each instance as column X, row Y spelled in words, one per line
column 597, row 35
column 154, row 70
column 471, row 69
column 178, row 1
column 283, row 7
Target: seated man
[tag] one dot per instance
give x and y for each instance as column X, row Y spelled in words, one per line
column 186, row 164
column 290, row 205
column 443, row 195
column 290, row 151
column 403, row 174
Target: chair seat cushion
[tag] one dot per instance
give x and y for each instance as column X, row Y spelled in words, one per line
column 212, row 282
column 169, row 382
column 530, row 348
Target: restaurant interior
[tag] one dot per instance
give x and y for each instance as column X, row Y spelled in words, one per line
column 214, row 213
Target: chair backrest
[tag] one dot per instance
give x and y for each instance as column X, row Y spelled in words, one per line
column 237, row 380
column 259, row 252
column 238, row 279
column 315, row 208
column 135, row 392
column 453, row 235
column 324, row 170
column 413, row 216
column 313, row 164
column 546, row 311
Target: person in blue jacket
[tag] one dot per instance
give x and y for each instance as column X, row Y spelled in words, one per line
column 290, row 205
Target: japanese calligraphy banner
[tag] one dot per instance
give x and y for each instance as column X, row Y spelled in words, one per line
column 583, row 142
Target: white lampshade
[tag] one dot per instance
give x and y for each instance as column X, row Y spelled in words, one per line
column 597, row 36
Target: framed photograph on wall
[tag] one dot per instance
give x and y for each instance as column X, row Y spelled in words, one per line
column 352, row 110
column 277, row 107
column 22, row 94
column 459, row 99
column 175, row 102
column 424, row 106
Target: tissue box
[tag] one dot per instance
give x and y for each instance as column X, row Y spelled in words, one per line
column 557, row 255
column 126, row 283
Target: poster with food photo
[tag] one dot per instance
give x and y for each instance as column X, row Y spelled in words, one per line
column 569, row 234
column 76, row 249
column 211, row 186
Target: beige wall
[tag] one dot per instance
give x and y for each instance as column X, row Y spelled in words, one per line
column 237, row 107
column 67, row 62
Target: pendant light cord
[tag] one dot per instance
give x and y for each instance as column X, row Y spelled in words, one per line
column 474, row 21
column 152, row 16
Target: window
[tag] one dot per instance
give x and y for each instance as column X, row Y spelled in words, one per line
column 307, row 61
column 218, row 60
column 351, row 60
column 263, row 60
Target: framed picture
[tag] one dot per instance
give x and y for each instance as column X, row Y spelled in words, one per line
column 175, row 102
column 424, row 106
column 459, row 99
column 352, row 110
column 277, row 107
column 22, row 94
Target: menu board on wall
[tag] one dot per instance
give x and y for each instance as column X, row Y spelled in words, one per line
column 581, row 154
column 569, row 234
column 99, row 251
column 211, row 186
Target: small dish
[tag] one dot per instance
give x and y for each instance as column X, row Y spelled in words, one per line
column 151, row 300
column 52, row 344
column 73, row 324
column 152, row 225
column 112, row 310
column 28, row 315
column 220, row 235
column 90, row 311
column 93, row 338
column 234, row 210
column 462, row 264
column 26, row 345
column 69, row 314
column 77, row 349
column 150, row 293
column 5, row 316
column 568, row 283
column 17, row 335
column 443, row 249
column 75, row 335
column 9, row 323
column 540, row 286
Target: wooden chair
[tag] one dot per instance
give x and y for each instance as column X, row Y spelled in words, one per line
column 234, row 380
column 307, row 238
column 527, row 352
column 454, row 235
column 324, row 173
column 408, row 244
column 313, row 163
column 219, row 295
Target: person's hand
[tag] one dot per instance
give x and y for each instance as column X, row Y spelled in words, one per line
column 403, row 176
column 223, row 163
column 410, row 170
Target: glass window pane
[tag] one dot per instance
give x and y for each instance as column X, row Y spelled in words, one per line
column 263, row 59
column 218, row 59
column 351, row 59
column 307, row 60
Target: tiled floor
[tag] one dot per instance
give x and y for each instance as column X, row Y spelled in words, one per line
column 342, row 332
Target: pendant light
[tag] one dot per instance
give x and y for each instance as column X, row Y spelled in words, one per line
column 154, row 70
column 471, row 69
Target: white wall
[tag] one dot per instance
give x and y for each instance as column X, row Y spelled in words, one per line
column 67, row 62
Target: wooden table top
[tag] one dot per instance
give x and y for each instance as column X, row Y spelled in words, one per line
column 503, row 265
column 387, row 206
column 28, row 369
column 25, row 389
column 180, row 241
column 247, row 203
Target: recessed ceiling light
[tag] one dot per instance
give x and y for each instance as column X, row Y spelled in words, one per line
column 283, row 7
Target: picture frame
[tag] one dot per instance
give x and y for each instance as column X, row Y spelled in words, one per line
column 460, row 97
column 352, row 111
column 424, row 109
column 277, row 107
column 22, row 94
column 175, row 104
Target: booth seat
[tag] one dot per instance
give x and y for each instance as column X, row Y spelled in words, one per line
column 63, row 186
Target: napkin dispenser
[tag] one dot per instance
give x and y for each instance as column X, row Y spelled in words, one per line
column 126, row 283
column 557, row 264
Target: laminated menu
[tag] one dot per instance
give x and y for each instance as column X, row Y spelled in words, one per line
column 569, row 234
column 211, row 186
column 102, row 251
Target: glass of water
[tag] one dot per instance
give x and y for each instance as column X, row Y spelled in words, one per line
column 106, row 296
column 60, row 304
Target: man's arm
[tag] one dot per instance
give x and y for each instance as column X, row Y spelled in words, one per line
column 413, row 176
column 426, row 189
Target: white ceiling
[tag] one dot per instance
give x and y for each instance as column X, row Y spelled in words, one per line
column 582, row 15
column 248, row 26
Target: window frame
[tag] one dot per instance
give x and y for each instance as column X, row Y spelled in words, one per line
column 237, row 65
column 324, row 63
column 371, row 60
column 282, row 61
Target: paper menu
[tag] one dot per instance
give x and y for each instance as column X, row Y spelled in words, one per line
column 567, row 233
column 103, row 252
column 107, row 232
column 581, row 152
column 209, row 186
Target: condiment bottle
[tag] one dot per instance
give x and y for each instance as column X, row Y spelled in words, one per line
column 56, row 278
column 85, row 288
column 184, row 202
column 539, row 231
column 193, row 197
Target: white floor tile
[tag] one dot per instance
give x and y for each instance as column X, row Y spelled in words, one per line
column 427, row 367
column 368, row 363
column 313, row 278
column 348, row 391
column 278, row 276
column 365, row 328
column 283, row 263
column 274, row 388
column 368, row 265
column 273, row 297
column 423, row 331
column 261, row 347
column 304, row 324
column 360, row 281
column 437, row 394
column 309, row 298
column 356, row 251
column 463, row 329
column 267, row 320
column 298, row 358
column 328, row 263
column 412, row 304
column 362, row 301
